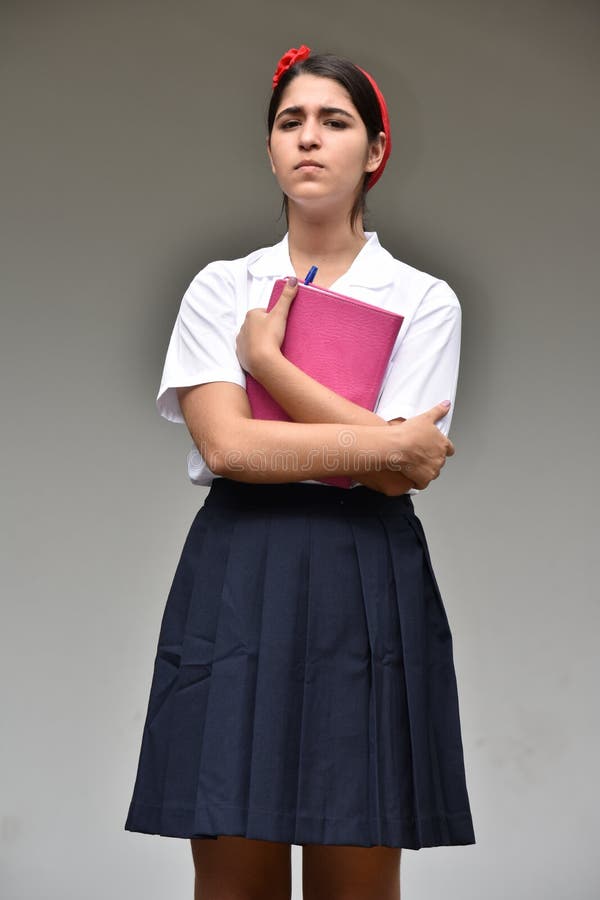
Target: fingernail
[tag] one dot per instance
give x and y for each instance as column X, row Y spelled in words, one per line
column 293, row 281
column 446, row 403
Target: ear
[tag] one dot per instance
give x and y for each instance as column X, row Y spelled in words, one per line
column 376, row 151
column 269, row 154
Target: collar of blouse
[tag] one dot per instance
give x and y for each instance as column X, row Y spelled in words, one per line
column 373, row 267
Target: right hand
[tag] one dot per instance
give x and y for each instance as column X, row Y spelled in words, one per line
column 416, row 448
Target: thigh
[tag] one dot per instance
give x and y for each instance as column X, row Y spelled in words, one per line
column 340, row 871
column 239, row 868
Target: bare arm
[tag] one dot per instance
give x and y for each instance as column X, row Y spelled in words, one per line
column 219, row 419
column 306, row 400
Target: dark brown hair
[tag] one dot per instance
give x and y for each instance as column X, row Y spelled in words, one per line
column 327, row 65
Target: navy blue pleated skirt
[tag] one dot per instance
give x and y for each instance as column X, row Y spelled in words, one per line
column 304, row 687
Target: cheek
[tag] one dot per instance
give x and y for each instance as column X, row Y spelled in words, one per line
column 357, row 155
column 277, row 152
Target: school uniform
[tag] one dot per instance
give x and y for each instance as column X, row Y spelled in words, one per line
column 304, row 687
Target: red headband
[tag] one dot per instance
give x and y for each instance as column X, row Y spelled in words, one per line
column 294, row 55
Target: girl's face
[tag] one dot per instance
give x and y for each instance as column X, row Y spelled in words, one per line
column 317, row 123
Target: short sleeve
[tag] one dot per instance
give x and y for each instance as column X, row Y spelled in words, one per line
column 424, row 369
column 202, row 344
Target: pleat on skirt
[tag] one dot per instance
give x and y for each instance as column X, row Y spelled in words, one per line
column 304, row 687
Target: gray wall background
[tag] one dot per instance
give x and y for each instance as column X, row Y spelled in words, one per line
column 133, row 154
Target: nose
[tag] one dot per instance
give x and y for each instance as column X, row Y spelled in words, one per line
column 308, row 135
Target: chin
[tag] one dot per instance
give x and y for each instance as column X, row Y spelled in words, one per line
column 318, row 194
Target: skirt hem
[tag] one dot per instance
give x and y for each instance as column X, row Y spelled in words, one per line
column 450, row 829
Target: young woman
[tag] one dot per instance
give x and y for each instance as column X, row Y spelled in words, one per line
column 304, row 689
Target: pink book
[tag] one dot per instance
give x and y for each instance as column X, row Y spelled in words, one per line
column 341, row 342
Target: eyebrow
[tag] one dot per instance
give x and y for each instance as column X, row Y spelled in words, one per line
column 326, row 110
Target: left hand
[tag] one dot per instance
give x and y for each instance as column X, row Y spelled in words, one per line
column 262, row 332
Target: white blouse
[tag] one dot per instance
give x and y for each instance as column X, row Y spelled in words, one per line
column 423, row 367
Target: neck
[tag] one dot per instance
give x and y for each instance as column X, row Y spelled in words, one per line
column 323, row 237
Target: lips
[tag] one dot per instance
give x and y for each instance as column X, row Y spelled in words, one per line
column 308, row 162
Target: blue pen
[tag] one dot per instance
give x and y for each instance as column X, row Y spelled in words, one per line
column 311, row 274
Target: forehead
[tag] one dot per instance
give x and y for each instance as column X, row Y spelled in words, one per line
column 314, row 90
